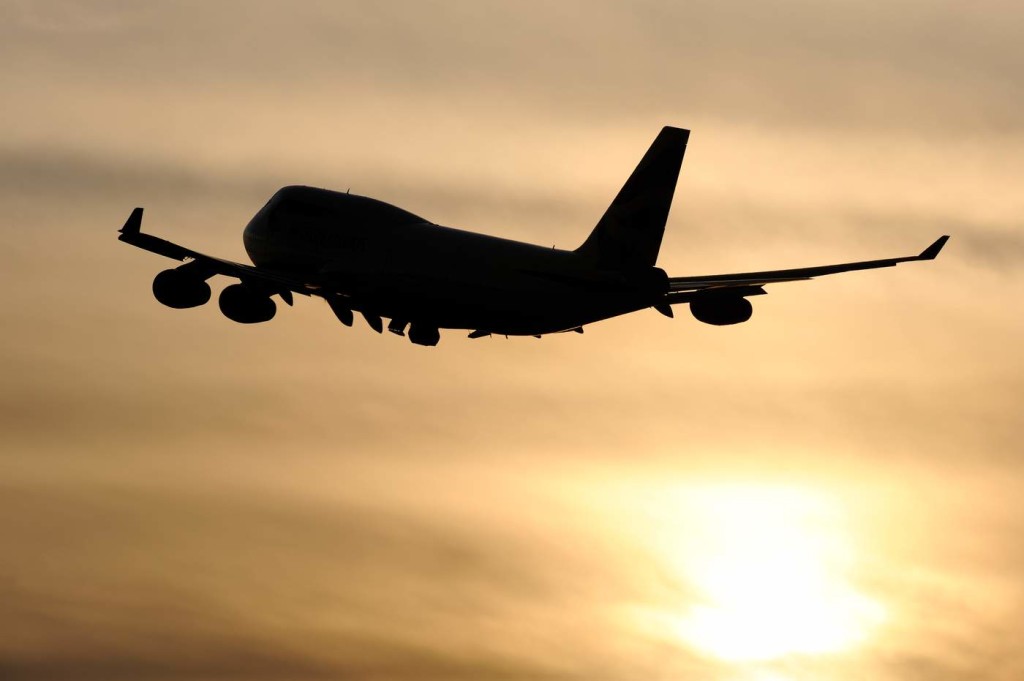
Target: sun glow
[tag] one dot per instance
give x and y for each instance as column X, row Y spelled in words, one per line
column 769, row 570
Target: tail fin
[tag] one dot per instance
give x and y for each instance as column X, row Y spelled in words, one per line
column 628, row 236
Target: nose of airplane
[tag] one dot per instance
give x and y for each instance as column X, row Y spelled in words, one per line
column 257, row 234
column 257, row 225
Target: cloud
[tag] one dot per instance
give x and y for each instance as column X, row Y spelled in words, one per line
column 789, row 63
column 81, row 176
column 1000, row 251
column 114, row 582
column 65, row 18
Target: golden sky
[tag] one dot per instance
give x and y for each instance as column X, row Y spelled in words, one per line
column 831, row 491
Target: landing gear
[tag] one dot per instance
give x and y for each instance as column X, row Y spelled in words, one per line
column 422, row 334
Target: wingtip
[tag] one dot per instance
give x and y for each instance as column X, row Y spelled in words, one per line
column 933, row 250
column 134, row 223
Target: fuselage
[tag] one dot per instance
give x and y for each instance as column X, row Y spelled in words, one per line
column 364, row 255
column 389, row 262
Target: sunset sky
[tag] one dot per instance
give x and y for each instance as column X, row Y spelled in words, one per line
column 832, row 491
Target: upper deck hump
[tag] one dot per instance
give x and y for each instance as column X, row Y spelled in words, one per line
column 320, row 203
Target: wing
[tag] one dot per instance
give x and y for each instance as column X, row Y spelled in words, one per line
column 207, row 266
column 753, row 281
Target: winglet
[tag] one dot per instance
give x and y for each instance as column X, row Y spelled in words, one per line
column 133, row 224
column 933, row 250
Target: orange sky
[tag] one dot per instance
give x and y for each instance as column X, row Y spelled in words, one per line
column 186, row 498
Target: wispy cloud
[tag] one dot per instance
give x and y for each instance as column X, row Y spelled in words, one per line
column 187, row 498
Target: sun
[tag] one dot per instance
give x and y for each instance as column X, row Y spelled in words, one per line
column 768, row 573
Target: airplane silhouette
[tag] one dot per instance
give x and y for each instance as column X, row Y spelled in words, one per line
column 363, row 255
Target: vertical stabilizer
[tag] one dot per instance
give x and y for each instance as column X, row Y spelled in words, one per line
column 628, row 235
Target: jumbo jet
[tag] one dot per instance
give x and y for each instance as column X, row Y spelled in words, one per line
column 363, row 255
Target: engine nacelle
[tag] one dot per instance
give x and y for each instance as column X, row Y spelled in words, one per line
column 721, row 309
column 176, row 289
column 242, row 304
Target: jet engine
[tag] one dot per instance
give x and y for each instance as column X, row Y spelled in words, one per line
column 176, row 289
column 721, row 309
column 245, row 305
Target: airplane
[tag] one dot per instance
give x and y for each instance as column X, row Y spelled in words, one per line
column 363, row 255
